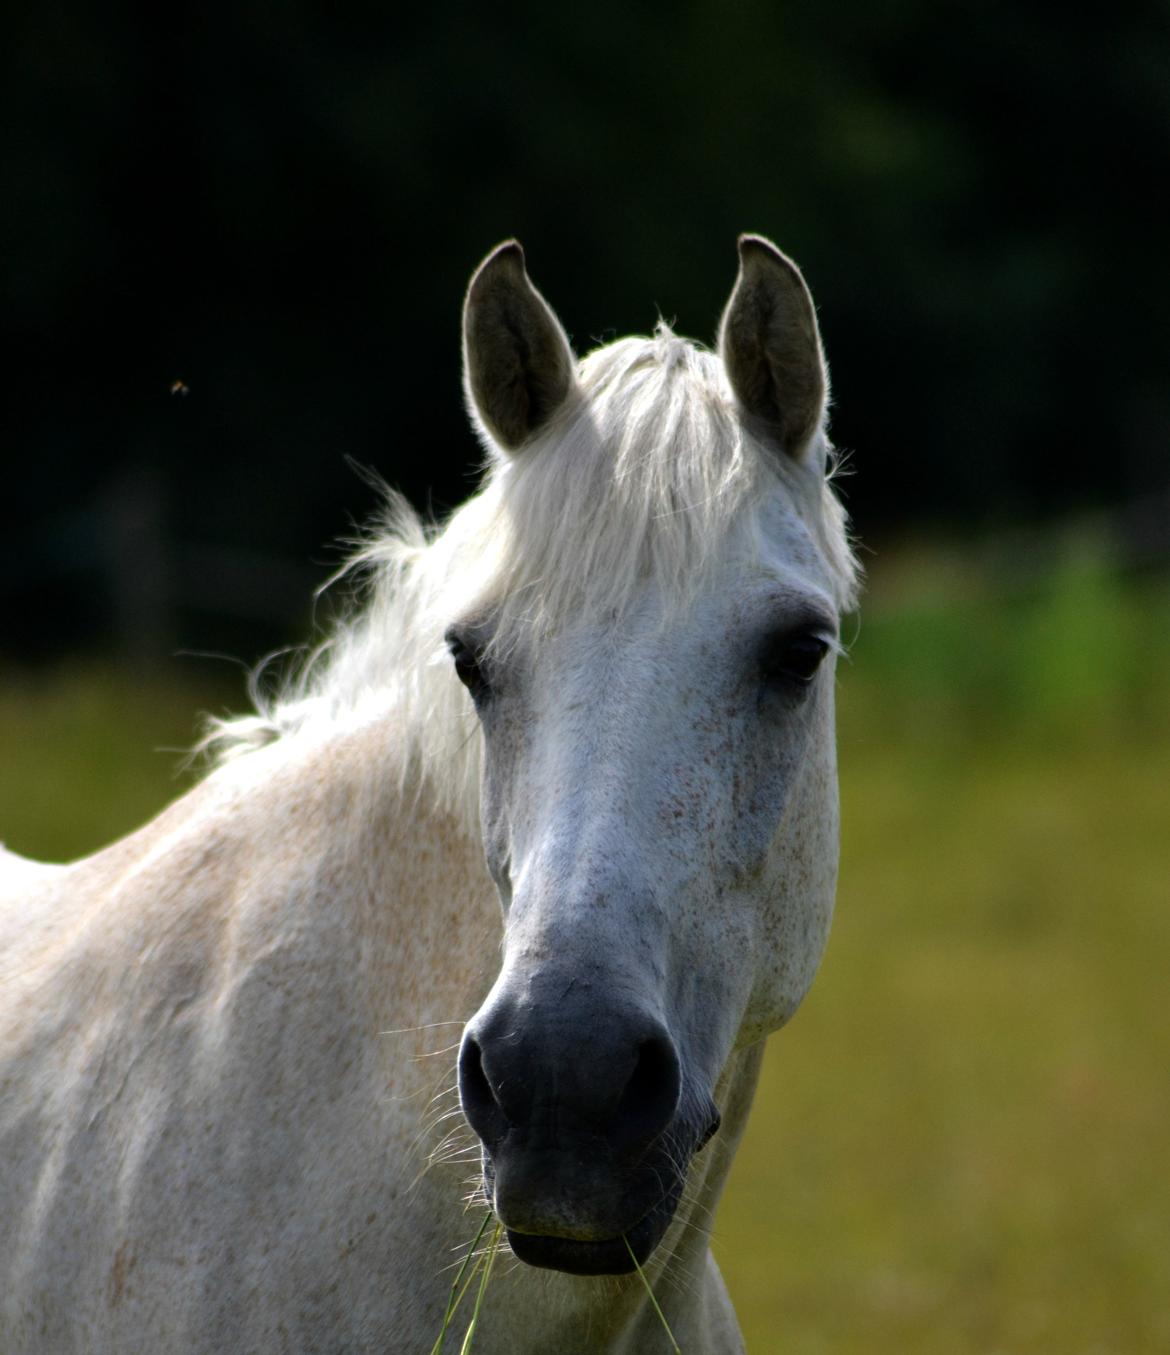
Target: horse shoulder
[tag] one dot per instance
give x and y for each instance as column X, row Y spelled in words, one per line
column 19, row 875
column 207, row 1022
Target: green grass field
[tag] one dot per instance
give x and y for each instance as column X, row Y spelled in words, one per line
column 962, row 1143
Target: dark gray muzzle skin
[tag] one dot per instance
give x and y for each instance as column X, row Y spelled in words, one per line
column 586, row 1121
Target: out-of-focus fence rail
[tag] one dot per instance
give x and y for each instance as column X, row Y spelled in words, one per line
column 128, row 553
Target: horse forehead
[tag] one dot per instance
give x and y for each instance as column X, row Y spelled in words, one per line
column 787, row 541
column 659, row 666
column 773, row 556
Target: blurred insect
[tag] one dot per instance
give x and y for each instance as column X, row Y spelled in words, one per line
column 180, row 388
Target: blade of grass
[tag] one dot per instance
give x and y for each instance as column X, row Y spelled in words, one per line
column 487, row 1270
column 650, row 1293
column 455, row 1298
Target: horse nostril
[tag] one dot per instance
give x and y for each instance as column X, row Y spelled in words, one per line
column 480, row 1106
column 650, row 1098
column 623, row 1083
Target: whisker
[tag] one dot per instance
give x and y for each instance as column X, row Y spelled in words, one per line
column 414, row 1030
column 434, row 1053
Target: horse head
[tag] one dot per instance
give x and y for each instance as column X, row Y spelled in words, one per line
column 650, row 657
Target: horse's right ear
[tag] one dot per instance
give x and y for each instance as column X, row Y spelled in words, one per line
column 517, row 363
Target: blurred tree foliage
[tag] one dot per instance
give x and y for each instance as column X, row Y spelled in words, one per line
column 279, row 205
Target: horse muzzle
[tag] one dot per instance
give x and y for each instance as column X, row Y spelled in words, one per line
column 585, row 1137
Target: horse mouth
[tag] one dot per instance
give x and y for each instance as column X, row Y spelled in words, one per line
column 611, row 1256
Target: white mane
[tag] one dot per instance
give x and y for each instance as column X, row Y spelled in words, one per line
column 646, row 472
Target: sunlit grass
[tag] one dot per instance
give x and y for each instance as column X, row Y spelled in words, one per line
column 89, row 752
column 961, row 1143
column 476, row 1264
column 472, row 1262
column 652, row 1300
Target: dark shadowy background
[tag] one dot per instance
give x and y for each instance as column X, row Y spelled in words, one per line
column 279, row 207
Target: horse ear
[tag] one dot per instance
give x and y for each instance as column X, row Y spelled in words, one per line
column 771, row 347
column 517, row 363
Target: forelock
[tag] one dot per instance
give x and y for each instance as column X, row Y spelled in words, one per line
column 643, row 475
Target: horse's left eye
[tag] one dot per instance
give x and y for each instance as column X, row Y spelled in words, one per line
column 794, row 658
column 468, row 668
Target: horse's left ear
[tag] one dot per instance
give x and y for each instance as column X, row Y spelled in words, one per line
column 517, row 363
column 771, row 347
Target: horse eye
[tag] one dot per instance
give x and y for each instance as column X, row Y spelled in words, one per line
column 467, row 665
column 794, row 658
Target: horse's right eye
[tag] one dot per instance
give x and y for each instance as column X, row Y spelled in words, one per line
column 468, row 668
column 792, row 659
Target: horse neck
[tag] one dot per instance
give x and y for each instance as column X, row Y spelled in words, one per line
column 361, row 858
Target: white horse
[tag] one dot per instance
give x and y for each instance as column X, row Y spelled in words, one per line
column 612, row 674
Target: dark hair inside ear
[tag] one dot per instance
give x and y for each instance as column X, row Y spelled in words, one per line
column 771, row 347
column 518, row 366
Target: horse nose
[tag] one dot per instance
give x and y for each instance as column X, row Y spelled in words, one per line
column 553, row 1076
